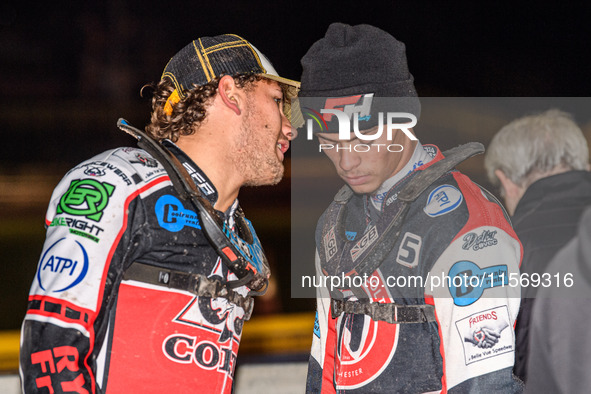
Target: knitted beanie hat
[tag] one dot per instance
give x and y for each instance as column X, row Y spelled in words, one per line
column 359, row 60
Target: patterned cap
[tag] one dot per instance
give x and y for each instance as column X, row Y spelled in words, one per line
column 207, row 58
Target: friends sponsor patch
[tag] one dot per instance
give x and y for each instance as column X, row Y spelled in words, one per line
column 442, row 200
column 485, row 334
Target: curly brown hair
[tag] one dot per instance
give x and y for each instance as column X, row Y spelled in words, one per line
column 189, row 112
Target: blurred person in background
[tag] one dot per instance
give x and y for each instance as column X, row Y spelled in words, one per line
column 149, row 266
column 559, row 345
column 541, row 164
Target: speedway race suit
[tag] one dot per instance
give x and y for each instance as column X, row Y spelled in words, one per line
column 113, row 306
column 461, row 337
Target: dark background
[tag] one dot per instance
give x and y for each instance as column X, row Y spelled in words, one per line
column 70, row 69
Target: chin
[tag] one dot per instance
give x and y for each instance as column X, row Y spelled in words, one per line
column 272, row 179
column 363, row 189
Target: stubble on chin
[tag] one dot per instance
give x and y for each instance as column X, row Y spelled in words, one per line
column 250, row 160
column 273, row 177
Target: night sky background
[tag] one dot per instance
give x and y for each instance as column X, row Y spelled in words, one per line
column 70, row 69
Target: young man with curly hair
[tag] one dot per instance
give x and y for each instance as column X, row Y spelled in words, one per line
column 133, row 293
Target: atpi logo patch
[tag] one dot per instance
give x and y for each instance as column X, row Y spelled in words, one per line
column 86, row 197
column 63, row 265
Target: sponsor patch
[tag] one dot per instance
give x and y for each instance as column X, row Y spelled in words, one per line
column 94, row 171
column 63, row 265
column 330, row 244
column 467, row 281
column 86, row 197
column 365, row 242
column 442, row 200
column 351, row 235
column 172, row 216
column 479, row 241
column 485, row 334
column 431, row 151
column 391, row 199
column 145, row 161
column 79, row 227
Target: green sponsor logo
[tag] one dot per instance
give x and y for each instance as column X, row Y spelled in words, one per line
column 86, row 197
column 85, row 235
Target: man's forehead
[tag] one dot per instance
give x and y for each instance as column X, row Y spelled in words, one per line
column 271, row 83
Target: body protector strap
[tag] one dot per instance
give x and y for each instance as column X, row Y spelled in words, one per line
column 362, row 257
column 197, row 284
column 240, row 250
column 391, row 313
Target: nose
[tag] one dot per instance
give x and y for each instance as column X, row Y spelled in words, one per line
column 286, row 128
column 348, row 158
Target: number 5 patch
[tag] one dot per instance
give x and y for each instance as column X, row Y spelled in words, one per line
column 408, row 253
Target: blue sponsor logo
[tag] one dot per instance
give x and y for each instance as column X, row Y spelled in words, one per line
column 351, row 235
column 172, row 216
column 442, row 200
column 60, row 270
column 251, row 252
column 467, row 281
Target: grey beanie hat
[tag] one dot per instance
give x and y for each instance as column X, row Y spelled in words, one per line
column 361, row 59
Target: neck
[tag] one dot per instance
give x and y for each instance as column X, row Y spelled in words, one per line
column 212, row 158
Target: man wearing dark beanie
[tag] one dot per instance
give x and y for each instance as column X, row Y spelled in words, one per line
column 414, row 258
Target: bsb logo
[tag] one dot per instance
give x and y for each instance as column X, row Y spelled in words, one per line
column 63, row 265
column 86, row 197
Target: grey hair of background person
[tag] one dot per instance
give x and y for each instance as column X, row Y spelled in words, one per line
column 530, row 147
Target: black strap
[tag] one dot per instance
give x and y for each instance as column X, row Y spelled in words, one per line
column 197, row 284
column 391, row 313
column 211, row 224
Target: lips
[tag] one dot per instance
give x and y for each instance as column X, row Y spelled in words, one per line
column 282, row 146
column 356, row 180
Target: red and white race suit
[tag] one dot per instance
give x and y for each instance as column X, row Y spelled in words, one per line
column 92, row 324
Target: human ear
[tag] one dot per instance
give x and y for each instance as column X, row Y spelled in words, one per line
column 512, row 191
column 510, row 188
column 229, row 93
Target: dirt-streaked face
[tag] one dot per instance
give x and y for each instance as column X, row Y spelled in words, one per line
column 264, row 137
